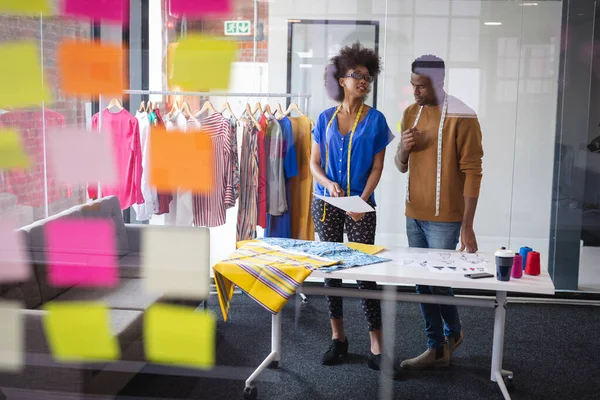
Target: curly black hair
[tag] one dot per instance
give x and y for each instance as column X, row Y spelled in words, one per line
column 430, row 66
column 348, row 58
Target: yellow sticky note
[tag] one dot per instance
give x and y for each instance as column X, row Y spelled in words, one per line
column 21, row 82
column 12, row 154
column 80, row 331
column 11, row 337
column 365, row 248
column 201, row 63
column 26, row 7
column 399, row 127
column 178, row 335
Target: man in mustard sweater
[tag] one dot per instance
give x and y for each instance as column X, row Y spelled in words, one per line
column 441, row 151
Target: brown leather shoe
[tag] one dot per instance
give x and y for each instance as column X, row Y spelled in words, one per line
column 430, row 358
column 455, row 342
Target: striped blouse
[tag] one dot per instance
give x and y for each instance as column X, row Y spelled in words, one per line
column 249, row 168
column 210, row 210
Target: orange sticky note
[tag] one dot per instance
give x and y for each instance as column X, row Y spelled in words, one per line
column 91, row 69
column 181, row 160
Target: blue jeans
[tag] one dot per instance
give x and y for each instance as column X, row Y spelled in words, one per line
column 439, row 319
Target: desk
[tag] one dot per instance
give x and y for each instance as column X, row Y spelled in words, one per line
column 392, row 273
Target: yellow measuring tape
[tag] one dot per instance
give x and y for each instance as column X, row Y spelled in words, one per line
column 349, row 150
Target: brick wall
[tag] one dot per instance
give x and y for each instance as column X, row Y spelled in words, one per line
column 73, row 111
column 243, row 10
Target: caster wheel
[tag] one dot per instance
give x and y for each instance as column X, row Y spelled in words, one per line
column 250, row 393
column 274, row 365
column 510, row 383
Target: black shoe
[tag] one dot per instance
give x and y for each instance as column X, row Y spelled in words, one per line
column 337, row 350
column 375, row 363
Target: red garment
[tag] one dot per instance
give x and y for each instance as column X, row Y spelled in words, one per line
column 28, row 184
column 125, row 131
column 159, row 119
column 262, row 174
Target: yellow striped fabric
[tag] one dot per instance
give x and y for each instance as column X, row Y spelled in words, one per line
column 268, row 274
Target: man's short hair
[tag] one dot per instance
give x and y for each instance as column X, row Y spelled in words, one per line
column 430, row 66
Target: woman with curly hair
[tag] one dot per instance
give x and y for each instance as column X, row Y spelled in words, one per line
column 347, row 159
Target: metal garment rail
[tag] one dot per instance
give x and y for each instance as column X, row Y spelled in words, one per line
column 304, row 96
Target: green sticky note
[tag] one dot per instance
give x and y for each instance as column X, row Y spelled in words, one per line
column 178, row 335
column 12, row 154
column 80, row 331
column 31, row 8
column 21, row 76
column 202, row 63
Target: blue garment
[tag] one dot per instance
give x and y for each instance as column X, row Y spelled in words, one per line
column 439, row 319
column 281, row 226
column 372, row 136
column 331, row 250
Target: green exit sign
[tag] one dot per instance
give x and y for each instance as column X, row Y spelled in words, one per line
column 237, row 28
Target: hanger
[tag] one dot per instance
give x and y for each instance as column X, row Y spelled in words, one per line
column 257, row 107
column 293, row 107
column 248, row 112
column 185, row 107
column 205, row 107
column 174, row 109
column 267, row 110
column 114, row 103
column 142, row 106
column 280, row 111
column 149, row 106
column 227, row 107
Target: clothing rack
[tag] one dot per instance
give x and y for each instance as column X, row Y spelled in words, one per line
column 304, row 96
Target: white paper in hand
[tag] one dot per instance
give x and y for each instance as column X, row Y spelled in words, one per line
column 349, row 204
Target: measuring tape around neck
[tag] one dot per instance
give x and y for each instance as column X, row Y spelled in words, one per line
column 439, row 157
column 356, row 121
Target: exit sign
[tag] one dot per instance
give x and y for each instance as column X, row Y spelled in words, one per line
column 237, row 28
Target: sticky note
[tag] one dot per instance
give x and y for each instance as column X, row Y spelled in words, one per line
column 12, row 154
column 21, row 75
column 181, row 160
column 399, row 127
column 81, row 252
column 178, row 335
column 115, row 11
column 195, row 8
column 365, row 248
column 90, row 69
column 78, row 156
column 31, row 8
column 12, row 343
column 176, row 261
column 14, row 266
column 202, row 63
column 80, row 331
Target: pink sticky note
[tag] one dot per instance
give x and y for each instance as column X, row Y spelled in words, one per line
column 13, row 258
column 78, row 156
column 98, row 10
column 81, row 252
column 195, row 8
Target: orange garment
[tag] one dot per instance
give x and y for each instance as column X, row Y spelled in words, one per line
column 301, row 186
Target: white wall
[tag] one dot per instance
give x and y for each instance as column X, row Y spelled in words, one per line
column 507, row 73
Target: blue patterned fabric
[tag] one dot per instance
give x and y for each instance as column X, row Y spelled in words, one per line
column 333, row 251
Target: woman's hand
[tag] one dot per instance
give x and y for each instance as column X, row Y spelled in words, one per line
column 356, row 216
column 335, row 190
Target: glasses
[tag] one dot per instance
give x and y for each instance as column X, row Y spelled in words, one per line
column 358, row 76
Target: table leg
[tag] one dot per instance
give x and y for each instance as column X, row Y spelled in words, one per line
column 272, row 360
column 497, row 373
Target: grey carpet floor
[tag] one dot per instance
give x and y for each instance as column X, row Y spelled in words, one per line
column 552, row 350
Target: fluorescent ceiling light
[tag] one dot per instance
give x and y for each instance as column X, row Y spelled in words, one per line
column 305, row 54
column 528, row 4
column 492, row 23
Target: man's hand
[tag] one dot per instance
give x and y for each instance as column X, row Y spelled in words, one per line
column 335, row 190
column 468, row 241
column 410, row 138
column 356, row 216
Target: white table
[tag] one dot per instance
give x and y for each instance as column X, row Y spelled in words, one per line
column 392, row 273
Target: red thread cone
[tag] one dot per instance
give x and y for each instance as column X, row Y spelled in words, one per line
column 532, row 266
column 517, row 268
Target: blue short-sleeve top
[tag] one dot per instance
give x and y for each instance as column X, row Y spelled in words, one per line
column 372, row 135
